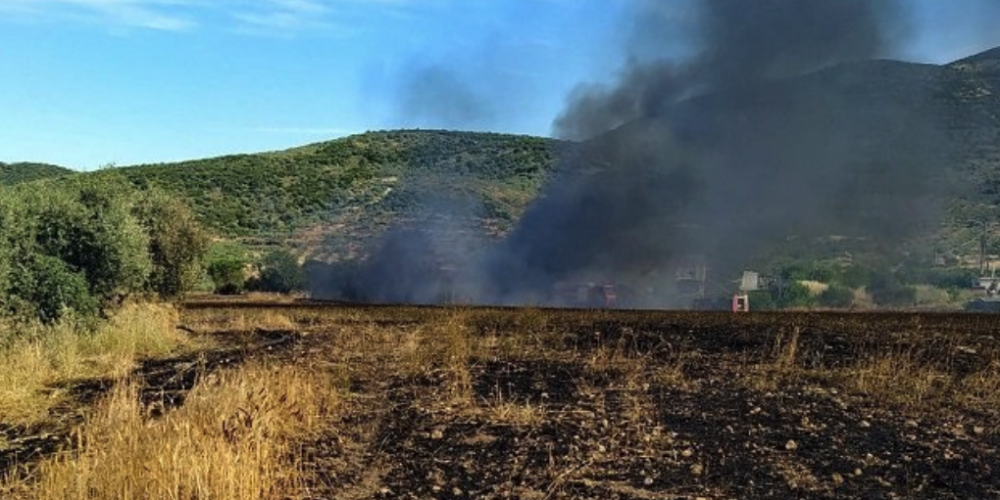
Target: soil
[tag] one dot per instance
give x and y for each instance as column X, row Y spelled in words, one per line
column 614, row 405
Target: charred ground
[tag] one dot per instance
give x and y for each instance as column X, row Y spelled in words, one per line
column 505, row 403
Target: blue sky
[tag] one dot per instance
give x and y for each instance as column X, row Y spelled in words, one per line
column 85, row 83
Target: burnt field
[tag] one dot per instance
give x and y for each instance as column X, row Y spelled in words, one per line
column 535, row 404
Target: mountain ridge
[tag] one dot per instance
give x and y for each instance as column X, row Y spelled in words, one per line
column 335, row 198
column 22, row 172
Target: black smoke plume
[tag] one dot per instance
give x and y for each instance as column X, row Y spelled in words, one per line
column 762, row 134
column 777, row 127
column 740, row 43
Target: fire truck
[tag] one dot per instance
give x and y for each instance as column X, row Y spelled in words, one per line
column 586, row 295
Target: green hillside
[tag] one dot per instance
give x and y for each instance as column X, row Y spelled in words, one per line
column 876, row 153
column 351, row 189
column 861, row 130
column 17, row 173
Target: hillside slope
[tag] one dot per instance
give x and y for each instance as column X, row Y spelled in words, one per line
column 879, row 152
column 17, row 173
column 338, row 194
column 876, row 151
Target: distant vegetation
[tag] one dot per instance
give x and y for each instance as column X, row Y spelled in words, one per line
column 17, row 173
column 367, row 181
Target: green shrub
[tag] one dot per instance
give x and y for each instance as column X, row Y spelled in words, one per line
column 889, row 290
column 762, row 300
column 954, row 278
column 48, row 289
column 837, row 296
column 796, row 295
column 87, row 223
column 280, row 272
column 177, row 244
column 854, row 276
column 87, row 242
column 227, row 264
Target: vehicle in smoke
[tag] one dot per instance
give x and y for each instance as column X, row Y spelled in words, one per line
column 600, row 295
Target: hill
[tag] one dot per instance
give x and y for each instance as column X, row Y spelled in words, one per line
column 17, row 173
column 876, row 154
column 872, row 153
column 334, row 196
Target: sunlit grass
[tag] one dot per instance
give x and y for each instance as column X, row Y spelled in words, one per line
column 36, row 360
column 232, row 440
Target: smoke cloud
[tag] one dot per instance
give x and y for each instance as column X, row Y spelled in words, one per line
column 739, row 43
column 721, row 156
column 437, row 96
column 775, row 126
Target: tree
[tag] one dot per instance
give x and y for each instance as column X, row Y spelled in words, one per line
column 281, row 272
column 48, row 287
column 796, row 295
column 86, row 242
column 177, row 244
column 227, row 263
column 87, row 222
column 837, row 296
column 9, row 223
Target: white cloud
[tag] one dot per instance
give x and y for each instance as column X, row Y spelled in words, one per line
column 242, row 16
column 166, row 15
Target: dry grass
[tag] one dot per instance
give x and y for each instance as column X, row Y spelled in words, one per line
column 232, row 440
column 890, row 375
column 441, row 350
column 614, row 357
column 240, row 320
column 513, row 413
column 898, row 378
column 981, row 388
column 671, row 372
column 783, row 368
column 41, row 358
column 451, row 343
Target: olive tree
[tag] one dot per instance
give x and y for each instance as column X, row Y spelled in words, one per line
column 281, row 272
column 177, row 244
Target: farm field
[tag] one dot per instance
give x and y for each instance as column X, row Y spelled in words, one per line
column 338, row 401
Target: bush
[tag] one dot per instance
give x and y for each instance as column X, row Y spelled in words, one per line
column 88, row 242
column 812, row 271
column 854, row 276
column 889, row 290
column 281, row 272
column 762, row 300
column 949, row 278
column 227, row 264
column 837, row 296
column 92, row 228
column 7, row 221
column 48, row 289
column 177, row 244
column 796, row 295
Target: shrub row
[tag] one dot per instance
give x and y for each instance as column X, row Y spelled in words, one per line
column 84, row 243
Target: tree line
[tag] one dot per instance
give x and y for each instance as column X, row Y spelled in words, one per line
column 86, row 243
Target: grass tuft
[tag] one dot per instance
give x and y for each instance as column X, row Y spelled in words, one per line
column 37, row 360
column 231, row 440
